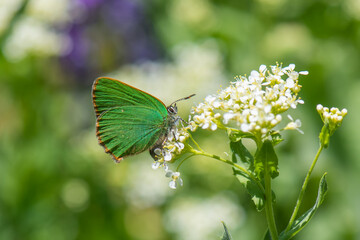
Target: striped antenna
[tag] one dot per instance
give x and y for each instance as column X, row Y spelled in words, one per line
column 185, row 98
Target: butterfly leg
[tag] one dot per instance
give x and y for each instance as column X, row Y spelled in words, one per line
column 173, row 131
column 178, row 119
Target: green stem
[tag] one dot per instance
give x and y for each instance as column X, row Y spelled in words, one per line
column 269, row 207
column 303, row 188
column 196, row 144
column 197, row 152
column 177, row 169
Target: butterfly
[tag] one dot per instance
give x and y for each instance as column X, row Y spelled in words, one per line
column 129, row 120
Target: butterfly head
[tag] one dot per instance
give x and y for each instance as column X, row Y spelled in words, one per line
column 172, row 109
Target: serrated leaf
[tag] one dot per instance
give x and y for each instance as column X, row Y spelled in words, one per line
column 240, row 152
column 256, row 193
column 304, row 219
column 226, row 235
column 266, row 160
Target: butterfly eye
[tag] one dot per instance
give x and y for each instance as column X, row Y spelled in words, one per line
column 172, row 109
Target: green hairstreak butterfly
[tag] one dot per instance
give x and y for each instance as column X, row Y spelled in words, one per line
column 129, row 120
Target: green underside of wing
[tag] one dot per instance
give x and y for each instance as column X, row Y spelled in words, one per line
column 129, row 130
column 109, row 93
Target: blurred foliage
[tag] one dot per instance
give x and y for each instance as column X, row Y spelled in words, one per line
column 57, row 183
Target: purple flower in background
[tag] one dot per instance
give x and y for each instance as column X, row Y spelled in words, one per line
column 124, row 15
column 77, row 59
column 127, row 18
column 89, row 4
column 109, row 34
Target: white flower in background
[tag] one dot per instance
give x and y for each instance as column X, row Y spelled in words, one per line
column 45, row 10
column 34, row 33
column 194, row 218
column 145, row 188
column 33, row 37
column 253, row 103
column 7, row 10
column 194, row 13
column 194, row 67
column 352, row 7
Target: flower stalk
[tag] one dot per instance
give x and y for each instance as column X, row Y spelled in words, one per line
column 269, row 211
column 303, row 189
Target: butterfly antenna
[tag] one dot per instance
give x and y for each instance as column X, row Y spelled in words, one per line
column 185, row 98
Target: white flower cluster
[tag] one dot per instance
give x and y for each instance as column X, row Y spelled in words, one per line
column 254, row 103
column 173, row 146
column 333, row 117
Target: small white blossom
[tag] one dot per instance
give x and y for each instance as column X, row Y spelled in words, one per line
column 294, row 125
column 262, row 68
column 167, row 156
column 160, row 164
column 156, row 165
column 176, row 179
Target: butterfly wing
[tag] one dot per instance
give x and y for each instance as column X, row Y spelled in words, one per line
column 109, row 93
column 128, row 130
column 129, row 121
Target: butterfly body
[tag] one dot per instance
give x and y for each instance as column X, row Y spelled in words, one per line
column 130, row 121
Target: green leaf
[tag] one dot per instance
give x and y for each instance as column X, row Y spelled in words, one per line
column 301, row 222
column 266, row 160
column 226, row 235
column 267, row 235
column 276, row 138
column 240, row 152
column 253, row 188
column 236, row 136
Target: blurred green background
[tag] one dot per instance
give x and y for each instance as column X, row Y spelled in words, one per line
column 56, row 182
